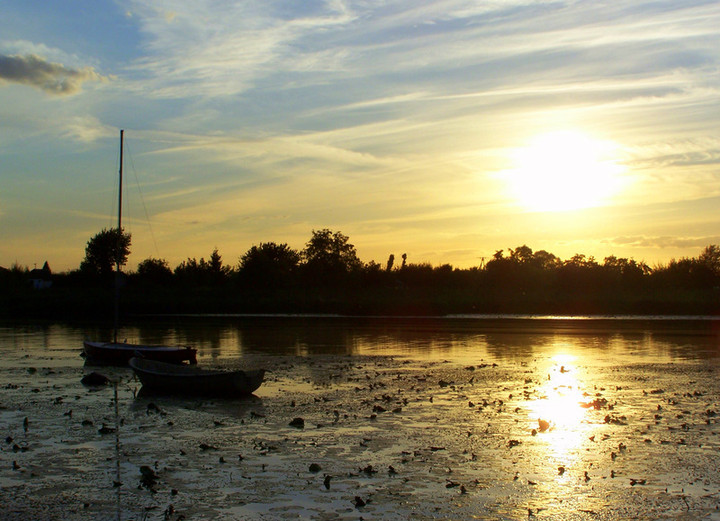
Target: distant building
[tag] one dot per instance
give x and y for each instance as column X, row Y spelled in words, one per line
column 41, row 278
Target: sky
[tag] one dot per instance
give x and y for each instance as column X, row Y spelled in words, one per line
column 446, row 130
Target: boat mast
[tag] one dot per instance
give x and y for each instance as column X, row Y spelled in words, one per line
column 117, row 258
column 122, row 133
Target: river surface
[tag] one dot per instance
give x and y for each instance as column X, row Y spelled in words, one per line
column 460, row 417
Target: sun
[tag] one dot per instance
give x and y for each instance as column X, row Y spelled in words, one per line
column 565, row 170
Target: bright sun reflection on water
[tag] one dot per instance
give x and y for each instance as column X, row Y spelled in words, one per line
column 557, row 410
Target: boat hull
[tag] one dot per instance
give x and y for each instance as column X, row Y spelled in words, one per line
column 167, row 378
column 119, row 353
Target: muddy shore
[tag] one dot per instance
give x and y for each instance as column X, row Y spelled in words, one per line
column 380, row 438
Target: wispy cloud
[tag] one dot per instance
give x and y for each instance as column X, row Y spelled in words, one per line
column 666, row 241
column 53, row 78
column 204, row 50
column 86, row 129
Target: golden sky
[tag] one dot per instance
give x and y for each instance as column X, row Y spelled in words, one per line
column 444, row 129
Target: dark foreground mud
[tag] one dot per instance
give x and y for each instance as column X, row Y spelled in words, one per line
column 367, row 437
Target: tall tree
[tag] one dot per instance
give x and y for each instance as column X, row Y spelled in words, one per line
column 154, row 270
column 106, row 251
column 203, row 272
column 269, row 264
column 710, row 257
column 330, row 252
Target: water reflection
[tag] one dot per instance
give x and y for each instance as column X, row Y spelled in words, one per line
column 559, row 407
column 462, row 340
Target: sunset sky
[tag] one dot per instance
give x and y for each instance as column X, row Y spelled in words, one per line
column 443, row 129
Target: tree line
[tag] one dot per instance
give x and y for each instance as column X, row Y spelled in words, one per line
column 326, row 276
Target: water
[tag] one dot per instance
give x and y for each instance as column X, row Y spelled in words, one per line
column 432, row 418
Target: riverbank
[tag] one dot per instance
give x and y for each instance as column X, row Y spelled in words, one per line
column 98, row 303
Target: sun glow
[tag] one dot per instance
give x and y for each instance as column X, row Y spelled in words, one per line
column 556, row 412
column 562, row 171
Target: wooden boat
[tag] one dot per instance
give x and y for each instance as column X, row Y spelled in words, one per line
column 119, row 353
column 167, row 378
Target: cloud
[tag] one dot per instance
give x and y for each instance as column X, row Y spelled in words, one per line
column 87, row 129
column 223, row 49
column 665, row 241
column 53, row 78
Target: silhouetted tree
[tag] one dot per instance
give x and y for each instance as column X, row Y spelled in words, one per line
column 700, row 273
column 105, row 251
column 710, row 257
column 269, row 265
column 522, row 273
column 218, row 272
column 328, row 255
column 154, row 270
column 545, row 260
column 580, row 275
column 189, row 270
column 390, row 262
column 501, row 269
column 521, row 254
column 203, row 272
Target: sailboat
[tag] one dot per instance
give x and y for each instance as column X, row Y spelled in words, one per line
column 119, row 353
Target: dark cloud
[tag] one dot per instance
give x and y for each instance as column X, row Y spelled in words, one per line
column 53, row 78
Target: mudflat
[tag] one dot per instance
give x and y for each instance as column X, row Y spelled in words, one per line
column 366, row 437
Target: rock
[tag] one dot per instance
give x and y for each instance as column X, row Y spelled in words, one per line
column 148, row 477
column 298, row 423
column 105, row 429
column 94, row 379
column 369, row 470
column 314, row 467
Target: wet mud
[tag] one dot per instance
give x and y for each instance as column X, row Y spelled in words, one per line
column 366, row 437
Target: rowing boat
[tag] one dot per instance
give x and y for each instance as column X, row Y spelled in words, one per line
column 119, row 353
column 167, row 378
